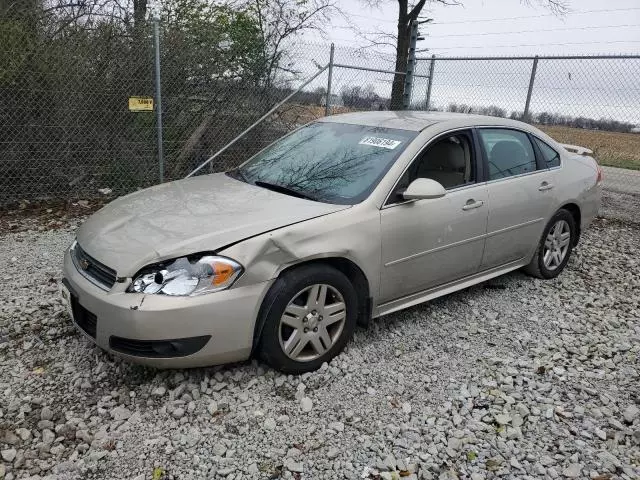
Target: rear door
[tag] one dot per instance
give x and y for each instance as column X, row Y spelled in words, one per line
column 521, row 195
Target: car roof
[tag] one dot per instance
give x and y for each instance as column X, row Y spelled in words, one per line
column 418, row 121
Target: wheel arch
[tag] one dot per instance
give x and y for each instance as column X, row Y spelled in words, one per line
column 575, row 212
column 348, row 267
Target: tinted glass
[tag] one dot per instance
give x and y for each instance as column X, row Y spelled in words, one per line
column 509, row 152
column 329, row 162
column 549, row 155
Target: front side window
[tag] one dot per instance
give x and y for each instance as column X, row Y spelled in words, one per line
column 549, row 155
column 509, row 152
column 327, row 161
column 449, row 161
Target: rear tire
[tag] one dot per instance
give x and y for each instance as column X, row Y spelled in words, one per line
column 555, row 246
column 308, row 317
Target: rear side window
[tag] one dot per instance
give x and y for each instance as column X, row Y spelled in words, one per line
column 549, row 155
column 509, row 152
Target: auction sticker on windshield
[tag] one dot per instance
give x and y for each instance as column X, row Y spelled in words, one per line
column 380, row 142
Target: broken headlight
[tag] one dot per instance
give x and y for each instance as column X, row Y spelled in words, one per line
column 186, row 276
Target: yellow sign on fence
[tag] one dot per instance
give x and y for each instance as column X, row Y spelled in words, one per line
column 140, row 104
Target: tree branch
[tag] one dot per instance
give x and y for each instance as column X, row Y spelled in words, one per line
column 415, row 11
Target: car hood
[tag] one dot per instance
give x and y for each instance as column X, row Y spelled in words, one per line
column 197, row 214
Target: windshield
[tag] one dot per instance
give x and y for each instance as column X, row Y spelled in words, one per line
column 326, row 161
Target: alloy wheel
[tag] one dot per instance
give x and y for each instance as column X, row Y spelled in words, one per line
column 312, row 322
column 556, row 245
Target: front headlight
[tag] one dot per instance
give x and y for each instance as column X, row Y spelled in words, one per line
column 187, row 276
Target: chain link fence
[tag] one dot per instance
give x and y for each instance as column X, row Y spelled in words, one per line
column 68, row 130
column 64, row 124
column 592, row 101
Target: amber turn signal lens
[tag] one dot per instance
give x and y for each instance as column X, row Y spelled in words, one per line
column 222, row 272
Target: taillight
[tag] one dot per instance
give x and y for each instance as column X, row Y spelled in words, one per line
column 600, row 175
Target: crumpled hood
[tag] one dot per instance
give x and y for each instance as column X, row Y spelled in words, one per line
column 197, row 214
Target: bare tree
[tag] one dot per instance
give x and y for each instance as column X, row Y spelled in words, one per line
column 411, row 11
column 280, row 21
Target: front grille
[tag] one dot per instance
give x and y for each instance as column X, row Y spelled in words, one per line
column 86, row 320
column 94, row 271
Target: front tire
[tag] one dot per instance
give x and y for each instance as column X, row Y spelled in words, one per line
column 309, row 316
column 555, row 246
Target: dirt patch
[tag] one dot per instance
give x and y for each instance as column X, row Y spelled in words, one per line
column 46, row 214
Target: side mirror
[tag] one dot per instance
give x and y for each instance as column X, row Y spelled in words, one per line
column 424, row 188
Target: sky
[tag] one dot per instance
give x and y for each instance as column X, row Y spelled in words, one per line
column 499, row 27
column 596, row 88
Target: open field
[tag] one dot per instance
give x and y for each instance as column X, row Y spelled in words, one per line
column 610, row 148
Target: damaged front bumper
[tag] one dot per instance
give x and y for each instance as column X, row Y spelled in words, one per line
column 165, row 331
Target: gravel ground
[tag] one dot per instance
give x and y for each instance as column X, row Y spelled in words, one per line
column 515, row 378
column 621, row 206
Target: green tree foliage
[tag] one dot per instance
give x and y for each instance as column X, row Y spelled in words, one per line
column 68, row 67
column 66, row 72
column 207, row 43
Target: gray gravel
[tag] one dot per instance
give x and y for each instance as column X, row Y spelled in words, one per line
column 516, row 378
column 621, row 180
column 621, row 206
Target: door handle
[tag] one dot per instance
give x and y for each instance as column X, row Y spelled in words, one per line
column 471, row 204
column 545, row 186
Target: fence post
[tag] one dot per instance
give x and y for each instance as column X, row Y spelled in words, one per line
column 411, row 64
column 429, row 85
column 156, row 41
column 327, row 103
column 527, row 103
column 257, row 122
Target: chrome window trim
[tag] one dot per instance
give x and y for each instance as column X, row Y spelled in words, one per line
column 489, row 182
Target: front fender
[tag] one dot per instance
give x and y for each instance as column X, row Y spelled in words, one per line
column 353, row 234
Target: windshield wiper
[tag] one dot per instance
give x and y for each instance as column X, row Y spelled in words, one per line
column 284, row 189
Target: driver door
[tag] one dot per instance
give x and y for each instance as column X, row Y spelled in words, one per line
column 430, row 242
